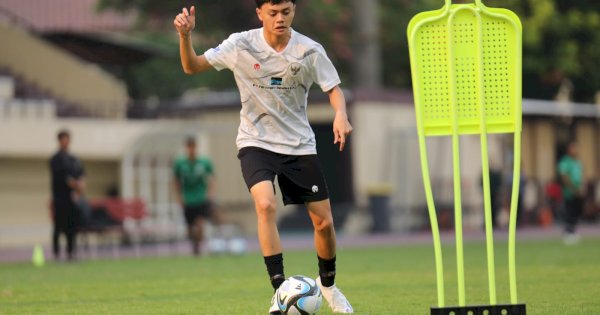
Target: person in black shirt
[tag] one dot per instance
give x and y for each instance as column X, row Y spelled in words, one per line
column 67, row 183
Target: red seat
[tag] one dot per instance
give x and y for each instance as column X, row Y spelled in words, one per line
column 120, row 209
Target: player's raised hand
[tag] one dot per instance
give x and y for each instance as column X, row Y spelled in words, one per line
column 185, row 21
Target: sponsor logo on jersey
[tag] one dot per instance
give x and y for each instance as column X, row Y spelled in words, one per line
column 276, row 81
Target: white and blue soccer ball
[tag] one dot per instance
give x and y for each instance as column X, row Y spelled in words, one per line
column 299, row 295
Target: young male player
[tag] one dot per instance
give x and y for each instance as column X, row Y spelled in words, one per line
column 274, row 67
column 194, row 188
column 571, row 175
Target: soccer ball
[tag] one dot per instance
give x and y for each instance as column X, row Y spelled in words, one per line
column 299, row 295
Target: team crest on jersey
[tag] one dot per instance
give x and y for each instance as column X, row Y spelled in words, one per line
column 294, row 69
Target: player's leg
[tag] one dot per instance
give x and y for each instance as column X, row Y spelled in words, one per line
column 263, row 195
column 573, row 211
column 56, row 241
column 322, row 220
column 71, row 230
column 258, row 169
column 302, row 181
column 70, row 234
column 268, row 236
column 59, row 227
column 215, row 214
column 194, row 228
column 197, row 234
column 325, row 244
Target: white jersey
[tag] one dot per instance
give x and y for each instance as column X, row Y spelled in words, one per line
column 274, row 88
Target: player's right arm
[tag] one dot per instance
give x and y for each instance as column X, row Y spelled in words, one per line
column 184, row 23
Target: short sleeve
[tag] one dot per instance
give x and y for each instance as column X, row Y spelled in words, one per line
column 323, row 71
column 209, row 166
column 224, row 56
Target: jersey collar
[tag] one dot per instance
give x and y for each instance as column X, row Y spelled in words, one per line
column 287, row 47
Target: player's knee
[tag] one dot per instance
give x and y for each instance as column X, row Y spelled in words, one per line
column 265, row 208
column 323, row 224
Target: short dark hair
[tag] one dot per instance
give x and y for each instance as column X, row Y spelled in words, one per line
column 259, row 3
column 63, row 133
column 190, row 139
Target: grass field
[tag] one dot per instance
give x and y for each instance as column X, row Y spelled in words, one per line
column 552, row 279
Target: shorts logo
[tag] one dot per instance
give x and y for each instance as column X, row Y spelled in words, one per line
column 315, row 189
column 256, row 66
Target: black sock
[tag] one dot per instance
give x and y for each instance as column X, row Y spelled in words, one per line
column 327, row 271
column 275, row 269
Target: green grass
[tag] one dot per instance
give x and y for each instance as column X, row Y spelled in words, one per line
column 552, row 279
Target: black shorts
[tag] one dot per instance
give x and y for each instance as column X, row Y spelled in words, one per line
column 192, row 212
column 300, row 177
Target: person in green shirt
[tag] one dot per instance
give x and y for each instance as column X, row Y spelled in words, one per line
column 571, row 177
column 195, row 189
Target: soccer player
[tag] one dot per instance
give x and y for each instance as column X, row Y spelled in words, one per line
column 274, row 67
column 571, row 175
column 67, row 182
column 194, row 188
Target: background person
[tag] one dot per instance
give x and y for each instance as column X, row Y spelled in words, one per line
column 195, row 191
column 571, row 178
column 67, row 182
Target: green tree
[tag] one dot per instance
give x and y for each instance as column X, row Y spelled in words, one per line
column 561, row 40
column 214, row 22
column 561, row 43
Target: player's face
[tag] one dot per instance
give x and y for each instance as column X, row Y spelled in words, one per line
column 191, row 149
column 277, row 18
column 573, row 150
column 64, row 142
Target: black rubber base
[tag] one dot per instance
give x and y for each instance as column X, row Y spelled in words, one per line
column 499, row 309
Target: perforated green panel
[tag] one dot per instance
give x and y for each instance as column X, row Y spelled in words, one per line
column 433, row 54
column 461, row 58
column 498, row 69
column 466, row 70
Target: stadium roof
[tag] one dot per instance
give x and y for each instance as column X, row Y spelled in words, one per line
column 47, row 16
column 78, row 26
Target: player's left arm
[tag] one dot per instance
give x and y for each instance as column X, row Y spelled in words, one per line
column 341, row 125
column 76, row 176
column 212, row 182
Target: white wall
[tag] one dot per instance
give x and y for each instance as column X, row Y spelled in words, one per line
column 386, row 151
